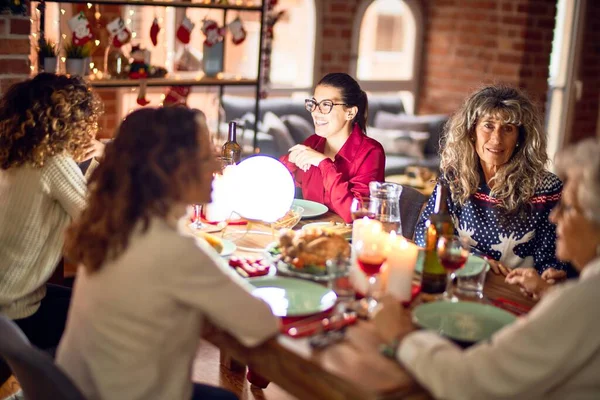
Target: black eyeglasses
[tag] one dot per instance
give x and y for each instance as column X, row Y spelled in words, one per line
column 325, row 106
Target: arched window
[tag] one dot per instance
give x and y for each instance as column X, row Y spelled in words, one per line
column 387, row 42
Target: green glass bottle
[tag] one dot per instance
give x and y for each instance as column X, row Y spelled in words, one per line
column 433, row 280
column 231, row 149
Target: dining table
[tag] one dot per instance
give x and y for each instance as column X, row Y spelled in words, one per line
column 353, row 368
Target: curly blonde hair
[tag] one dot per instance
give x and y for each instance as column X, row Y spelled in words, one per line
column 515, row 182
column 45, row 116
column 140, row 176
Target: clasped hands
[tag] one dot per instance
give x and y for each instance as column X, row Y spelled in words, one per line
column 304, row 157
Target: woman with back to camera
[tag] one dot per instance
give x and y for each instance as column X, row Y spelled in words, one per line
column 143, row 291
column 47, row 124
column 553, row 352
column 336, row 164
column 493, row 161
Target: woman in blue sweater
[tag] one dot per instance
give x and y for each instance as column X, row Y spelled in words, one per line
column 493, row 161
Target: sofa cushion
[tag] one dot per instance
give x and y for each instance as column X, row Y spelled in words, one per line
column 434, row 124
column 383, row 103
column 235, row 107
column 298, row 127
column 400, row 142
column 273, row 126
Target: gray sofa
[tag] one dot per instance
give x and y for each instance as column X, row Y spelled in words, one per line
column 284, row 122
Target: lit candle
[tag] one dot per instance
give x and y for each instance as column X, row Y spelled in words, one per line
column 401, row 262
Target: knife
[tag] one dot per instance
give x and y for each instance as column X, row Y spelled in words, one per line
column 311, row 327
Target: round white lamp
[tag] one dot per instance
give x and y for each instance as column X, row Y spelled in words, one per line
column 260, row 188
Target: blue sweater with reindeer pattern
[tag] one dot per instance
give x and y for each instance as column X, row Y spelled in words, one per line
column 523, row 240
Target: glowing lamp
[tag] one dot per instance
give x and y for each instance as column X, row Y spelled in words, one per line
column 260, row 188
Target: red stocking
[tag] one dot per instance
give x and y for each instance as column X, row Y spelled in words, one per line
column 154, row 29
column 141, row 99
column 184, row 30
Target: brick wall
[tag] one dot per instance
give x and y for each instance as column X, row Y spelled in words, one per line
column 474, row 42
column 336, row 35
column 587, row 108
column 14, row 50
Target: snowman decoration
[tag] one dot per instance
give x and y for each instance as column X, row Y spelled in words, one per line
column 80, row 26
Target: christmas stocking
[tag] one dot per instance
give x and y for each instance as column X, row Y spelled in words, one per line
column 184, row 30
column 154, row 29
column 213, row 33
column 141, row 99
column 176, row 95
column 236, row 27
column 120, row 34
column 80, row 26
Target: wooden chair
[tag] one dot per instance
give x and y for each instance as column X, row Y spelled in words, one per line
column 411, row 205
column 39, row 377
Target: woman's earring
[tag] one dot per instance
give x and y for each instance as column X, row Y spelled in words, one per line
column 472, row 139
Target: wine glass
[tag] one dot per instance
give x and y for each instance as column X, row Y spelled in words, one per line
column 453, row 253
column 361, row 207
column 370, row 248
column 197, row 217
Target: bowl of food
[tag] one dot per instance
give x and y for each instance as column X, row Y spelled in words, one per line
column 290, row 219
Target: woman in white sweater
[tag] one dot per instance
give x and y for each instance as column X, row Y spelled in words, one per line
column 554, row 351
column 46, row 124
column 143, row 291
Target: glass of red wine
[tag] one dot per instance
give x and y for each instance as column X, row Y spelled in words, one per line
column 362, row 207
column 452, row 252
column 371, row 247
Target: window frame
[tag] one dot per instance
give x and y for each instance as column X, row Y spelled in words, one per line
column 409, row 85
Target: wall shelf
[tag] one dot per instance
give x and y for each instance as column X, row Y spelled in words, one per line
column 186, row 79
column 153, row 82
column 163, row 3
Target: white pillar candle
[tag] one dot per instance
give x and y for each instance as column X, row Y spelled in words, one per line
column 401, row 262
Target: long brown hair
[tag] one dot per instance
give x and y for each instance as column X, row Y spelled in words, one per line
column 140, row 176
column 46, row 116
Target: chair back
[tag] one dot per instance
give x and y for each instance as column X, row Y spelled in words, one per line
column 411, row 205
column 35, row 370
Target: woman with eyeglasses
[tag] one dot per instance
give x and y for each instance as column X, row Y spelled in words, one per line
column 336, row 164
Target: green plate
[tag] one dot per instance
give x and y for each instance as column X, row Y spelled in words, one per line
column 464, row 321
column 290, row 297
column 473, row 265
column 311, row 208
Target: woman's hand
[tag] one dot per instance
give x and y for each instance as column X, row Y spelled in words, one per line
column 94, row 149
column 304, row 157
column 392, row 321
column 552, row 276
column 498, row 268
column 530, row 282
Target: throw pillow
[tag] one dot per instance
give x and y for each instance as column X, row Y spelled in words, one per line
column 273, row 126
column 400, row 142
column 299, row 128
column 406, row 122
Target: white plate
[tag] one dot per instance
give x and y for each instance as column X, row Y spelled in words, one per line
column 228, row 248
column 311, row 208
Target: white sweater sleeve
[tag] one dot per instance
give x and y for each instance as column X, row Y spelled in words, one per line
column 205, row 282
column 528, row 358
column 65, row 183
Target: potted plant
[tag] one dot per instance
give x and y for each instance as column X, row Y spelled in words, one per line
column 48, row 53
column 77, row 58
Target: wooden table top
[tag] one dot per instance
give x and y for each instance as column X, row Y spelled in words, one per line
column 350, row 369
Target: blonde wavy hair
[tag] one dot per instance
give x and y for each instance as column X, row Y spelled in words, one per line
column 46, row 116
column 515, row 182
column 153, row 157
